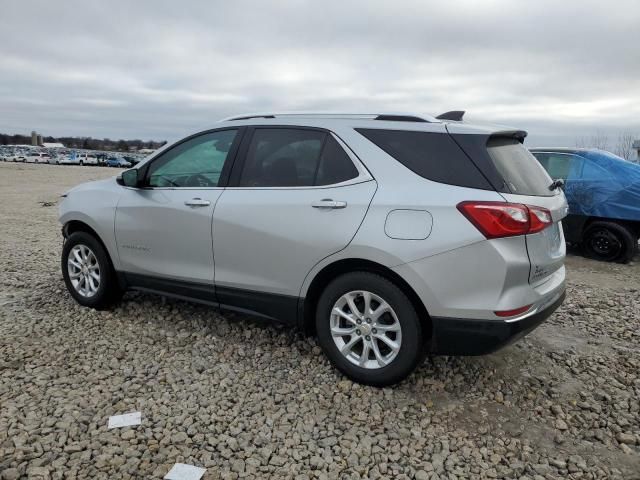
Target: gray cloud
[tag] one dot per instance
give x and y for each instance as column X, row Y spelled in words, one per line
column 161, row 69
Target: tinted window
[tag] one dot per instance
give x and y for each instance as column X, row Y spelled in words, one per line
column 335, row 165
column 195, row 163
column 282, row 157
column 519, row 169
column 557, row 165
column 434, row 156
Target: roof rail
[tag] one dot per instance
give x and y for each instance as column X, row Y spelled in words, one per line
column 248, row 117
column 400, row 118
column 367, row 116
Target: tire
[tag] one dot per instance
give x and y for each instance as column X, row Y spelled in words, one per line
column 108, row 290
column 609, row 242
column 81, row 164
column 396, row 366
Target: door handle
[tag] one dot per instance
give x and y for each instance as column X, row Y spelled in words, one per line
column 329, row 204
column 197, row 202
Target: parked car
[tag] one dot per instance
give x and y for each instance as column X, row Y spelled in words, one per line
column 86, row 159
column 38, row 157
column 18, row 156
column 389, row 237
column 603, row 191
column 117, row 162
column 68, row 159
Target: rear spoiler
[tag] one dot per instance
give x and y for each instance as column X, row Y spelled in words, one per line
column 519, row 135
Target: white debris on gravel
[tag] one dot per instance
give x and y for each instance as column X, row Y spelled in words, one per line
column 264, row 402
column 181, row 471
column 125, row 420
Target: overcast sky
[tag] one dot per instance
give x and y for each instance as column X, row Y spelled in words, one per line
column 163, row 69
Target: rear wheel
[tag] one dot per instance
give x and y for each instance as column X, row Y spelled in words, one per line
column 609, row 242
column 88, row 273
column 369, row 329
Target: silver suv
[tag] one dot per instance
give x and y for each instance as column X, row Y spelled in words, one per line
column 387, row 236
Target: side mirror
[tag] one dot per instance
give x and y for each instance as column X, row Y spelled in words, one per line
column 128, row 178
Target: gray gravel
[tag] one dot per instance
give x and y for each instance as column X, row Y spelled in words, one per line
column 246, row 399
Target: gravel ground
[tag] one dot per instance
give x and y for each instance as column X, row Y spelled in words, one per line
column 249, row 400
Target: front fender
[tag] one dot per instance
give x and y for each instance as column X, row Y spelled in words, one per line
column 94, row 204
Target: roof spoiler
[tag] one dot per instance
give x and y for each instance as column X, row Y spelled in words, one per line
column 519, row 135
column 455, row 115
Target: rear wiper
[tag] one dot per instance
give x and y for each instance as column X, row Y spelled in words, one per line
column 557, row 183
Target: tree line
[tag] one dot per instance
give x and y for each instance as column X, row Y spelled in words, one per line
column 88, row 143
column 621, row 146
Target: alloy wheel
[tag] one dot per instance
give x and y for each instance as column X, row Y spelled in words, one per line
column 84, row 270
column 365, row 329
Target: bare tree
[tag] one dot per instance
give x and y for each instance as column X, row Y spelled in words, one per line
column 598, row 140
column 624, row 148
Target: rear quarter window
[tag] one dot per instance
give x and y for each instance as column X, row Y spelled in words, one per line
column 519, row 168
column 434, row 156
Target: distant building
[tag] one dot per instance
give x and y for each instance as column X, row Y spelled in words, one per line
column 52, row 145
column 34, row 138
column 39, row 139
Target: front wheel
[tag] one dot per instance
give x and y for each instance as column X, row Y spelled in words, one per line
column 369, row 329
column 609, row 242
column 88, row 273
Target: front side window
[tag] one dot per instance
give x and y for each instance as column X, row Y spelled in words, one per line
column 198, row 162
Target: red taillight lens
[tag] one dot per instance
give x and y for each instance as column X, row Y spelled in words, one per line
column 503, row 219
column 540, row 218
column 512, row 313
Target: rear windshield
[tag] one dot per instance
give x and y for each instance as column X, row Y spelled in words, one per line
column 520, row 170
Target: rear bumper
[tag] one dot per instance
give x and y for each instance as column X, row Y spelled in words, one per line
column 457, row 336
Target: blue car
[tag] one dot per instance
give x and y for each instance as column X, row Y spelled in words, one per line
column 603, row 192
column 117, row 162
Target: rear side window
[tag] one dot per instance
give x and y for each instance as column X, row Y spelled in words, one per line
column 288, row 157
column 434, row 156
column 335, row 165
column 519, row 169
column 282, row 157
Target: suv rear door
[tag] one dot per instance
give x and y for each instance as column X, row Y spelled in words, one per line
column 519, row 178
column 295, row 196
column 529, row 183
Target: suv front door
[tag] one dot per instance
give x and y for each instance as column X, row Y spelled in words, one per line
column 163, row 229
column 295, row 197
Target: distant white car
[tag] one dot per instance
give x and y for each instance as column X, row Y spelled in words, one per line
column 38, row 157
column 17, row 156
column 86, row 159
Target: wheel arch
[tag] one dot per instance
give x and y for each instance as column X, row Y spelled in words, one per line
column 309, row 303
column 72, row 226
column 632, row 225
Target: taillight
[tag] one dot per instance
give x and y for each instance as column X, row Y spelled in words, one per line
column 540, row 218
column 503, row 219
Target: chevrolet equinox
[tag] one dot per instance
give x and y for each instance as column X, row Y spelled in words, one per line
column 389, row 237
